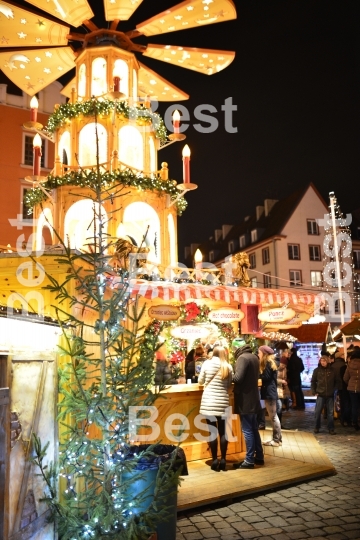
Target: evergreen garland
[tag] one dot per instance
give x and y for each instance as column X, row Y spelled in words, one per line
column 104, row 107
column 107, row 180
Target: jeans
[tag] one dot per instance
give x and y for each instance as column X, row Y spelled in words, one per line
column 320, row 402
column 354, row 398
column 271, row 406
column 250, row 430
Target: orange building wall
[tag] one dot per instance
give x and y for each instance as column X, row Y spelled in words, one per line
column 12, row 172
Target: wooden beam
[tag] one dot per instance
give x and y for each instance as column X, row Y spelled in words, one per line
column 114, row 24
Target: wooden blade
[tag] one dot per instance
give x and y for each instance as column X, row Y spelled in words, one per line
column 121, row 9
column 153, row 85
column 189, row 14
column 207, row 61
column 21, row 28
column 70, row 11
column 34, row 69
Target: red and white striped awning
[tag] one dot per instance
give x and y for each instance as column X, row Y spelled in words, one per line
column 243, row 295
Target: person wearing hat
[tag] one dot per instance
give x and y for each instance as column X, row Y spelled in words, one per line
column 269, row 393
column 352, row 379
column 247, row 405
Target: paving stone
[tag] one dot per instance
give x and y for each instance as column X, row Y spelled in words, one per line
column 350, row 519
column 338, row 536
column 225, row 512
column 314, row 532
column 250, row 534
column 194, row 536
column 351, row 534
column 188, row 529
column 210, row 533
column 214, row 519
column 197, row 519
column 242, row 527
column 333, row 529
column 252, row 519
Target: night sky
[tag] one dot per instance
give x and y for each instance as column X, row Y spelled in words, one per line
column 296, row 84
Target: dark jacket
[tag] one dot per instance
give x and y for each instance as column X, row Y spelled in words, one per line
column 323, row 381
column 268, row 383
column 190, row 369
column 294, row 368
column 339, row 367
column 246, row 391
column 352, row 373
column 163, row 373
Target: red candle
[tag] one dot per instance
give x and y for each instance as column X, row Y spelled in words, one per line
column 186, row 164
column 34, row 105
column 37, row 155
column 116, row 84
column 176, row 121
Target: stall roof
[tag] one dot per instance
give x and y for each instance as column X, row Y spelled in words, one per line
column 312, row 333
column 243, row 295
column 351, row 328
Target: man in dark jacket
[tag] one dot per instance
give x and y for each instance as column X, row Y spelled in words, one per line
column 247, row 405
column 294, row 369
column 339, row 367
column 323, row 387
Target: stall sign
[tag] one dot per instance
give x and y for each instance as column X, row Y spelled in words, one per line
column 164, row 312
column 189, row 331
column 226, row 315
column 276, row 315
column 284, row 326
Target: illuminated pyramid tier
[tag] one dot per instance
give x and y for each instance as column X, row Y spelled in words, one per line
column 106, row 134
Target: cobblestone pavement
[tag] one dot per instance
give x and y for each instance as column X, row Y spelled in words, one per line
column 324, row 508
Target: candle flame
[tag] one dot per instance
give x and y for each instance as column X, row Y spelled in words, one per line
column 176, row 116
column 34, row 104
column 37, row 142
column 198, row 256
column 186, row 151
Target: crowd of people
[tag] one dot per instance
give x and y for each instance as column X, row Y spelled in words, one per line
column 280, row 385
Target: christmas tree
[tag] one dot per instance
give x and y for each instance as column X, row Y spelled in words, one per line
column 91, row 490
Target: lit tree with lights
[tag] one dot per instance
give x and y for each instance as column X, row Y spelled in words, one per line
column 106, row 371
column 337, row 259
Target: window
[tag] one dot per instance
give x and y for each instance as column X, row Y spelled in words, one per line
column 211, row 256
column 254, row 235
column 252, row 259
column 253, row 281
column 265, row 256
column 357, row 259
column 267, row 281
column 27, row 213
column 295, row 278
column 231, row 246
column 314, row 253
column 294, row 252
column 29, row 151
column 312, row 226
column 242, row 241
column 338, row 306
column 316, row 278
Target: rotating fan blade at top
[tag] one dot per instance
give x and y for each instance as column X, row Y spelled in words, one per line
column 188, row 14
column 38, row 54
column 72, row 13
column 120, row 10
column 207, row 61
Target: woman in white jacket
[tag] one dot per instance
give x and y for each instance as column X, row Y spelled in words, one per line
column 216, row 376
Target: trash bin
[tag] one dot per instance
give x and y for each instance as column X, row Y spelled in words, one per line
column 143, row 476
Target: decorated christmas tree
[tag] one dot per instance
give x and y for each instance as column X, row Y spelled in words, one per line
column 99, row 487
